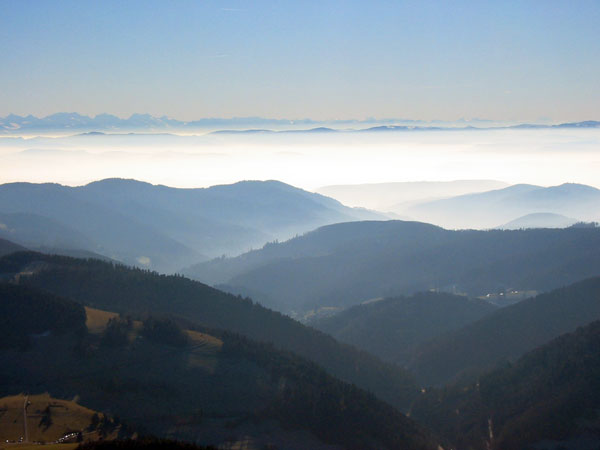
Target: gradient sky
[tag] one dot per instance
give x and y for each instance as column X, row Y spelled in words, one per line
column 502, row 60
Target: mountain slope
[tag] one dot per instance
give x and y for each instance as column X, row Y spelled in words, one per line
column 7, row 247
column 397, row 197
column 548, row 399
column 166, row 228
column 392, row 328
column 132, row 291
column 539, row 220
column 209, row 388
column 39, row 231
column 507, row 333
column 116, row 234
column 345, row 264
column 488, row 209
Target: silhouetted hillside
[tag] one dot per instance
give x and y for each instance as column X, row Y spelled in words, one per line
column 548, row 399
column 33, row 230
column 26, row 313
column 392, row 328
column 133, row 291
column 209, row 389
column 160, row 227
column 7, row 247
column 507, row 333
column 345, row 264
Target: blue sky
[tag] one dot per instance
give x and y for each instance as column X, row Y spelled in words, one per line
column 502, row 60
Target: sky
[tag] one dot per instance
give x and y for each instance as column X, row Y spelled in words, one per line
column 501, row 60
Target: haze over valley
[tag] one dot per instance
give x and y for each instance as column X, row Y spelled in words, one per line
column 299, row 225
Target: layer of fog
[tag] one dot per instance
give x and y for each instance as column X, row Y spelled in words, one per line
column 309, row 160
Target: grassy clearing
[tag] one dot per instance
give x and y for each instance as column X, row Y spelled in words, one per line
column 48, row 419
column 97, row 319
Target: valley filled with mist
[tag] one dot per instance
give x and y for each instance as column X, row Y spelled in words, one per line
column 333, row 225
column 320, row 314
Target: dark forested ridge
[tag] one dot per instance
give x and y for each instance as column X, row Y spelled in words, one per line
column 548, row 399
column 27, row 312
column 507, row 333
column 208, row 389
column 345, row 264
column 7, row 247
column 391, row 328
column 117, row 288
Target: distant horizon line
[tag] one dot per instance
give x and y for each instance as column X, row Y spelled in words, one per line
column 273, row 180
column 109, row 124
column 370, row 119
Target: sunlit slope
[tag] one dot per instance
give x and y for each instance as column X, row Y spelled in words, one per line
column 50, row 419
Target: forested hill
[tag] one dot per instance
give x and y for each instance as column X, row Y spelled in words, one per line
column 217, row 388
column 392, row 328
column 160, row 227
column 7, row 247
column 549, row 399
column 127, row 290
column 507, row 333
column 26, row 312
column 345, row 264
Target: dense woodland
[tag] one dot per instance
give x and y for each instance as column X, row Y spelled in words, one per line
column 245, row 378
column 195, row 391
column 549, row 394
column 127, row 290
column 345, row 264
column 507, row 333
column 392, row 328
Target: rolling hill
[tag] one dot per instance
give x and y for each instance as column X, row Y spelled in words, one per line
column 392, row 328
column 51, row 419
column 397, row 197
column 539, row 220
column 160, row 227
column 548, row 399
column 211, row 387
column 7, row 247
column 488, row 209
column 507, row 333
column 106, row 286
column 345, row 264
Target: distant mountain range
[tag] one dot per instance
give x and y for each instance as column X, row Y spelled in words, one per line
column 74, row 122
column 539, row 220
column 160, row 227
column 397, row 197
column 489, row 209
column 344, row 264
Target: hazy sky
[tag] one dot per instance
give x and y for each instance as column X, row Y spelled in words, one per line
column 504, row 60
